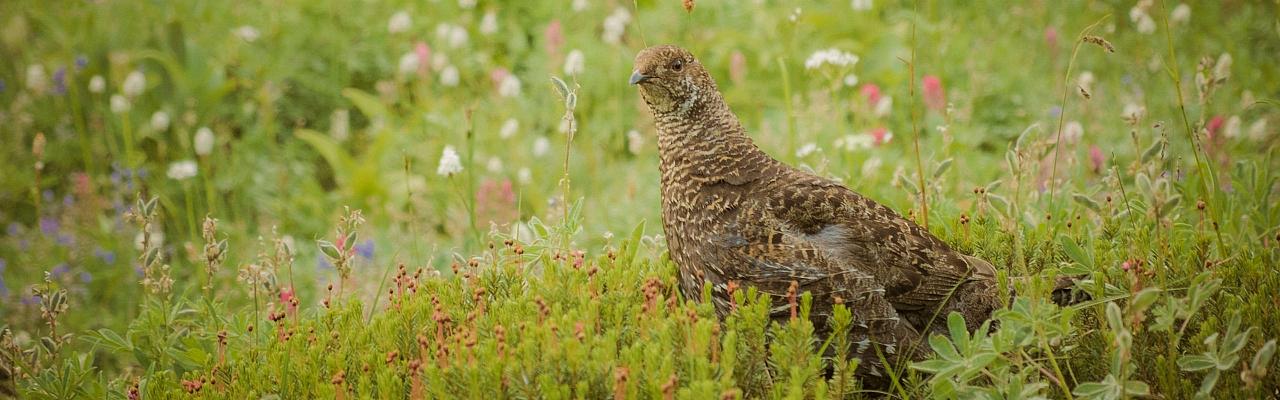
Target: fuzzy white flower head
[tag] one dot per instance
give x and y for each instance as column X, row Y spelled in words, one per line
column 119, row 104
column 861, row 5
column 449, row 76
column 450, row 164
column 1142, row 20
column 247, row 33
column 1072, row 132
column 37, row 81
column 851, row 80
column 509, row 128
column 615, row 25
column 871, row 166
column 97, row 84
column 160, row 121
column 855, row 142
column 439, row 60
column 399, row 22
column 510, row 86
column 1181, row 14
column 884, row 106
column 408, row 63
column 834, row 57
column 635, row 141
column 579, row 5
column 541, row 146
column 1134, row 111
column 795, row 15
column 1222, row 69
column 524, row 175
column 456, row 36
column 182, row 170
column 1086, row 80
column 1258, row 130
column 807, row 149
column 489, row 23
column 1232, row 128
column 574, row 63
column 134, row 84
column 203, row 141
column 494, row 165
column 467, row 4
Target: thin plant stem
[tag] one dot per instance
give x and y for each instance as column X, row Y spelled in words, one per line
column 1062, row 116
column 915, row 117
column 791, row 115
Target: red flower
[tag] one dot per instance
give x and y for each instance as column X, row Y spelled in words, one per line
column 290, row 302
column 872, row 93
column 934, row 96
column 881, row 135
column 1214, row 126
column 1096, row 159
column 1051, row 37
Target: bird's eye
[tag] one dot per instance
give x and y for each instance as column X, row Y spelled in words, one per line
column 677, row 65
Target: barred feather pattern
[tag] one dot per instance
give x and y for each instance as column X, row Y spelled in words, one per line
column 732, row 213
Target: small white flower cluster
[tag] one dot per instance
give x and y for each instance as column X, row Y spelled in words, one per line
column 861, row 5
column 1072, row 132
column 37, row 81
column 832, row 56
column 450, row 164
column 635, row 141
column 134, row 84
column 97, row 84
column 247, row 33
column 203, row 142
column 615, row 25
column 399, row 22
column 855, row 142
column 1181, row 14
column 467, row 4
column 182, row 170
column 1142, row 20
column 510, row 86
column 408, row 63
column 449, row 76
column 807, row 149
column 509, row 128
column 160, row 121
column 574, row 63
column 489, row 23
column 456, row 36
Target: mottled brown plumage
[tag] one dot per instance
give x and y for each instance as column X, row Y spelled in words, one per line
column 732, row 213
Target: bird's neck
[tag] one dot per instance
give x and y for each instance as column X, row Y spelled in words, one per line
column 704, row 144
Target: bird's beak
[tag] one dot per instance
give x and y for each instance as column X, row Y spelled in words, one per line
column 637, row 77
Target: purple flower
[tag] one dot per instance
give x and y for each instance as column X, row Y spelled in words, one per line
column 60, row 81
column 4, row 289
column 86, row 277
column 66, row 240
column 60, row 270
column 365, row 249
column 31, row 300
column 1055, row 111
column 1, row 85
column 323, row 263
column 49, row 226
column 47, row 195
column 81, row 62
column 107, row 257
column 68, row 200
column 13, row 229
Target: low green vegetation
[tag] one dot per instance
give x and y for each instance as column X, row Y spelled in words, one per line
column 342, row 199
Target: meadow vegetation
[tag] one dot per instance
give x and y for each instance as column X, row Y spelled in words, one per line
column 459, row 199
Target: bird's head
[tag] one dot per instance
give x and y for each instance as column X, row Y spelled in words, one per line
column 671, row 80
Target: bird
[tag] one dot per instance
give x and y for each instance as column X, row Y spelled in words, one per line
column 734, row 216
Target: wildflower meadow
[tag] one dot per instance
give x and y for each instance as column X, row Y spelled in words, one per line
column 427, row 199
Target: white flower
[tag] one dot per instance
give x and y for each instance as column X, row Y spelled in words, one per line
column 579, row 5
column 574, row 63
column 831, row 56
column 134, row 84
column 203, row 142
column 615, row 25
column 795, row 15
column 449, row 162
column 1086, row 80
column 97, row 84
column 467, row 4
column 340, row 124
column 489, row 24
column 182, row 170
column 119, row 104
column 524, row 175
column 541, row 146
column 456, row 36
column 1134, row 112
column 1232, row 129
column 870, row 166
column 247, row 33
column 1258, row 130
column 1072, row 132
column 635, row 141
column 494, row 165
column 1142, row 20
column 851, row 80
column 1181, row 14
column 1222, row 69
column 861, row 5
column 509, row 128
column 37, row 81
column 439, row 60
column 884, row 106
column 807, row 149
column 855, row 142
column 160, row 121
column 399, row 22
column 510, row 86
column 408, row 63
column 449, row 76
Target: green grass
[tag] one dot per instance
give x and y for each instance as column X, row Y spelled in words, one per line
column 519, row 277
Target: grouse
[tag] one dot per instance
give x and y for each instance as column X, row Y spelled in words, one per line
column 733, row 216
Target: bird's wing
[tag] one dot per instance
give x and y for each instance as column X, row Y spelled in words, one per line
column 916, row 270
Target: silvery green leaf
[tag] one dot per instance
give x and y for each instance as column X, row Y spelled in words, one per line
column 561, row 87
column 1086, row 201
column 942, row 168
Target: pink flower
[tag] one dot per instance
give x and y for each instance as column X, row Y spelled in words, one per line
column 872, row 93
column 498, row 75
column 1214, row 126
column 737, row 67
column 1051, row 37
column 287, row 297
column 881, row 135
column 1096, row 158
column 934, row 96
column 424, row 56
column 554, row 37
